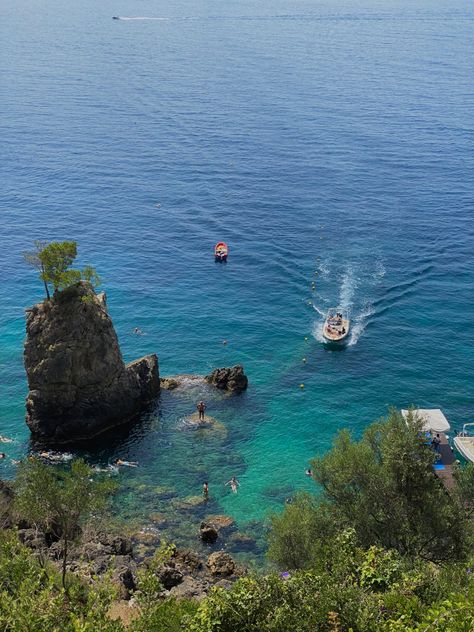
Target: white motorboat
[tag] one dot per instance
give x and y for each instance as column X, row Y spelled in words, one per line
column 464, row 443
column 336, row 326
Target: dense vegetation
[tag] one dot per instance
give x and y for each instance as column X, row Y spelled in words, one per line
column 383, row 547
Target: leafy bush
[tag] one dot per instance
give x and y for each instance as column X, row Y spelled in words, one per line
column 384, row 488
column 33, row 600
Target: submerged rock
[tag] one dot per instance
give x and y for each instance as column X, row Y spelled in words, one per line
column 192, row 422
column 208, row 532
column 78, row 383
column 233, row 379
column 242, row 542
column 221, row 521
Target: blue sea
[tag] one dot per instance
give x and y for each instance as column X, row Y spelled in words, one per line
column 329, row 143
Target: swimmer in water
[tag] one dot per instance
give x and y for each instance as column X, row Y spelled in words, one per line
column 138, row 331
column 309, row 472
column 3, row 455
column 126, row 463
column 5, row 439
column 234, row 483
column 205, row 490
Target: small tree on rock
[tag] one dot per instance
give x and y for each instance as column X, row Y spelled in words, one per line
column 54, row 261
column 59, row 501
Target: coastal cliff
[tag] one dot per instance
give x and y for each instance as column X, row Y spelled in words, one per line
column 78, row 383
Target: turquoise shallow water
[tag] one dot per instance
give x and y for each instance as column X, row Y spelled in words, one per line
column 324, row 141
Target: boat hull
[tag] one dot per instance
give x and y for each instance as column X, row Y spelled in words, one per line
column 465, row 447
column 335, row 340
column 334, row 336
column 221, row 250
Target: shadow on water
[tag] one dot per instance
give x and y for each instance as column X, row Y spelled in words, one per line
column 108, row 441
column 334, row 346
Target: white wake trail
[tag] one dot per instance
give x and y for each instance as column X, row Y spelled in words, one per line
column 350, row 285
column 359, row 324
column 348, row 288
column 124, row 17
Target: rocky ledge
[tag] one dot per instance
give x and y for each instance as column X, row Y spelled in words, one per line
column 232, row 380
column 79, row 385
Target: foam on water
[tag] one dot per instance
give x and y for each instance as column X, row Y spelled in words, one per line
column 348, row 289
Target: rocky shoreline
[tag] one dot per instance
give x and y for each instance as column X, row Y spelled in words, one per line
column 79, row 388
column 183, row 573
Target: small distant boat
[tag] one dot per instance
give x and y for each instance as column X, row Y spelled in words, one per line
column 221, row 251
column 336, row 326
column 464, row 443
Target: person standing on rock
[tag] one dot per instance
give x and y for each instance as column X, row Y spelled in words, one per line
column 201, row 408
column 205, row 490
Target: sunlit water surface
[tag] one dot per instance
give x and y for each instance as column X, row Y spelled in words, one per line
column 326, row 142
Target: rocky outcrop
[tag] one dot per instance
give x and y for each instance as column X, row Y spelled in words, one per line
column 220, row 521
column 220, row 564
column 190, row 588
column 208, row 532
column 182, row 575
column 233, row 379
column 78, row 383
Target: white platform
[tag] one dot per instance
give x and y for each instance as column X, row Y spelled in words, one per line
column 433, row 419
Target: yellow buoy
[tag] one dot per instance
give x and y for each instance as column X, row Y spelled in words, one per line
column 301, row 385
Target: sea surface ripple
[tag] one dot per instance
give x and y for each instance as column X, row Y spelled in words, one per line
column 324, row 141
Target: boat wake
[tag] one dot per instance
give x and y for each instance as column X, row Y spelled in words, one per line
column 354, row 297
column 124, row 17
